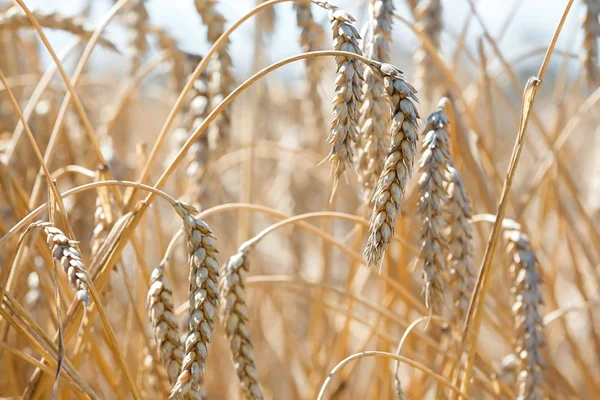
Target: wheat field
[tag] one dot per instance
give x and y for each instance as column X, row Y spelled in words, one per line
column 416, row 215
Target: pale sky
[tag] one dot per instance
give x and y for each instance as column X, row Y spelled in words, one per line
column 531, row 26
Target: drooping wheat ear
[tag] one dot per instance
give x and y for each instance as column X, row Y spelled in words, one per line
column 374, row 114
column 312, row 37
column 591, row 30
column 434, row 163
column 203, row 299
column 220, row 72
column 64, row 251
column 15, row 18
column 136, row 17
column 164, row 326
column 234, row 318
column 348, row 93
column 460, row 243
column 398, row 165
column 428, row 76
column 528, row 323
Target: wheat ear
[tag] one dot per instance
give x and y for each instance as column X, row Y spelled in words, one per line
column 199, row 152
column 64, row 251
column 234, row 318
column 164, row 325
column 428, row 76
column 528, row 323
column 15, row 18
column 434, row 164
column 374, row 113
column 348, row 93
column 398, row 165
column 203, row 300
column 460, row 244
column 312, row 37
column 220, row 71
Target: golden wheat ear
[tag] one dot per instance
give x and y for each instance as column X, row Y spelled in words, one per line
column 203, row 301
column 234, row 318
column 164, row 326
column 398, row 166
column 527, row 319
column 348, row 93
column 433, row 165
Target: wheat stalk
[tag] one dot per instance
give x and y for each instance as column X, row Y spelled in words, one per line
column 164, row 325
column 220, row 72
column 66, row 253
column 398, row 166
column 348, row 93
column 15, row 18
column 460, row 244
column 234, row 318
column 591, row 30
column 434, row 163
column 528, row 323
column 203, row 301
column 428, row 77
column 374, row 114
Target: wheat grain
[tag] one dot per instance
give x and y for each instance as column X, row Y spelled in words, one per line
column 64, row 251
column 434, row 163
column 591, row 30
column 528, row 323
column 460, row 244
column 15, row 18
column 398, row 166
column 164, row 325
column 428, row 77
column 203, row 300
column 374, row 113
column 348, row 93
column 220, row 72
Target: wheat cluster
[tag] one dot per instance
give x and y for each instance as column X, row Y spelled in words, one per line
column 144, row 130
